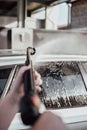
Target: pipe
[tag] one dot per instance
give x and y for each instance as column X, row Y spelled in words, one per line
column 22, row 12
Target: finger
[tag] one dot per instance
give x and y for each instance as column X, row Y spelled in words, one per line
column 23, row 69
column 36, row 101
column 38, row 88
column 38, row 82
column 18, row 80
column 36, row 75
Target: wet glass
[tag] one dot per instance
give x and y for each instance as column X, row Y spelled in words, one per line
column 63, row 85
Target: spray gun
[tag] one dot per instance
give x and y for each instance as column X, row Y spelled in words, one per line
column 29, row 112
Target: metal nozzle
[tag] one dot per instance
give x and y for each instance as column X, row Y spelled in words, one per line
column 30, row 51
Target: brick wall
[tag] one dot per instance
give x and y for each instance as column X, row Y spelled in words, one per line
column 79, row 14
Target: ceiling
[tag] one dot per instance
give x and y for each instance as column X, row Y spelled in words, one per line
column 9, row 7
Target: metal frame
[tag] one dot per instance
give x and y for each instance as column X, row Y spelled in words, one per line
column 9, row 81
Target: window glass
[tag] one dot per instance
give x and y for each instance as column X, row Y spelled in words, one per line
column 63, row 85
column 4, row 74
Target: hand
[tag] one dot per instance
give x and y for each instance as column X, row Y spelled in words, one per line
column 9, row 105
column 18, row 84
column 49, row 121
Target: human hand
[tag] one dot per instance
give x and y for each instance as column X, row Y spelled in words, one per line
column 49, row 121
column 18, row 85
column 9, row 105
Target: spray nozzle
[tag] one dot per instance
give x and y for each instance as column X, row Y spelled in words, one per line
column 30, row 51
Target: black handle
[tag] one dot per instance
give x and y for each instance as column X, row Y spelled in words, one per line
column 29, row 112
column 28, row 82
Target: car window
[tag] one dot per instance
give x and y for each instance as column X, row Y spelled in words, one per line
column 4, row 74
